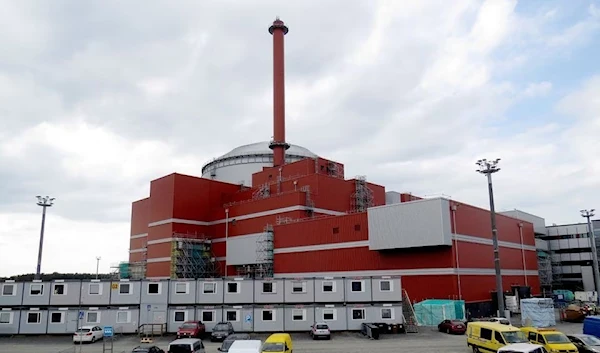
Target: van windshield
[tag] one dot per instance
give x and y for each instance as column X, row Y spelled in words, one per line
column 515, row 337
column 273, row 347
column 556, row 338
column 180, row 348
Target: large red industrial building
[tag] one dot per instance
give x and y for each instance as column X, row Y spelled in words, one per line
column 275, row 209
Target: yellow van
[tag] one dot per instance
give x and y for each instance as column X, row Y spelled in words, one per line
column 551, row 339
column 483, row 336
column 278, row 342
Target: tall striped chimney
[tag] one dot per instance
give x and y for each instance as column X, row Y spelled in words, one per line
column 278, row 29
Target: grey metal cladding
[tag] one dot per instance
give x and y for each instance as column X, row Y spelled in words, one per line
column 210, row 291
column 386, row 289
column 410, row 224
column 62, row 320
column 11, row 293
column 209, row 315
column 298, row 317
column 329, row 290
column 125, row 292
column 386, row 312
column 358, row 289
column 154, row 292
column 12, row 318
column 269, row 291
column 36, row 293
column 238, row 315
column 123, row 319
column 238, row 291
column 95, row 293
column 65, row 292
column 332, row 314
column 242, row 250
column 268, row 318
column 299, row 290
column 178, row 315
column 182, row 291
column 34, row 321
column 151, row 313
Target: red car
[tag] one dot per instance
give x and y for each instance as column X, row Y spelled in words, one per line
column 453, row 326
column 191, row 329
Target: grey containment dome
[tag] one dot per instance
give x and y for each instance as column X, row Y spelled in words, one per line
column 237, row 166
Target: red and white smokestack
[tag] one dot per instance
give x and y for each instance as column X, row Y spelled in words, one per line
column 278, row 144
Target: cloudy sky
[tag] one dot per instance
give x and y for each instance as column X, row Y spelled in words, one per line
column 97, row 98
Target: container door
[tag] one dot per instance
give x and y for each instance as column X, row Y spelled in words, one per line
column 71, row 321
column 247, row 320
column 159, row 317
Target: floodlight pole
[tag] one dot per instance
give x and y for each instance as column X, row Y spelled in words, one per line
column 44, row 202
column 488, row 168
column 589, row 214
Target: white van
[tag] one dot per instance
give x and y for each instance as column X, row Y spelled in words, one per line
column 523, row 348
column 246, row 346
column 186, row 345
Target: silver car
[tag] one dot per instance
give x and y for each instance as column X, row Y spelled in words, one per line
column 320, row 330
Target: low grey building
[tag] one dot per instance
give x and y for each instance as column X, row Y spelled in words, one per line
column 9, row 321
column 126, row 292
column 298, row 317
column 238, row 291
column 65, row 292
column 329, row 290
column 62, row 320
column 299, row 290
column 268, row 291
column 209, row 315
column 94, row 292
column 11, row 293
column 182, row 291
column 333, row 314
column 36, row 293
column 268, row 318
column 34, row 321
column 210, row 291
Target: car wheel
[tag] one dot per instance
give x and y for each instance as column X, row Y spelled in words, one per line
column 93, row 339
column 475, row 350
column 448, row 331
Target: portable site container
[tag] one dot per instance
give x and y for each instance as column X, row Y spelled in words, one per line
column 66, row 293
column 390, row 313
column 357, row 314
column 241, row 317
column 358, row 289
column 238, row 291
column 178, row 315
column 95, row 292
column 182, row 291
column 329, row 290
column 124, row 319
column 154, row 292
column 93, row 316
column 34, row 321
column 153, row 314
column 333, row 314
column 62, row 320
column 386, row 289
column 125, row 292
column 269, row 290
column 299, row 290
column 268, row 318
column 209, row 315
column 11, row 293
column 9, row 321
column 298, row 317
column 37, row 293
column 210, row 291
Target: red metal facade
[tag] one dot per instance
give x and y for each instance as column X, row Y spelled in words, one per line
column 308, row 244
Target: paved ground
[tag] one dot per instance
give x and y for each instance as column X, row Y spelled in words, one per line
column 426, row 341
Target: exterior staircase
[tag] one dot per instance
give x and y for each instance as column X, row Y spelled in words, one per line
column 408, row 313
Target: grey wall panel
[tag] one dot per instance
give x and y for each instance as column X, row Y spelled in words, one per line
column 409, row 225
column 182, row 291
column 95, row 293
column 34, row 321
column 388, row 313
column 386, row 289
column 154, row 314
column 238, row 291
column 298, row 317
column 587, row 277
column 65, row 293
column 62, row 320
column 178, row 315
column 242, row 250
column 37, row 293
column 269, row 291
column 12, row 317
column 268, row 318
column 210, row 291
column 11, row 293
column 209, row 315
column 125, row 292
column 154, row 292
column 329, row 290
column 123, row 319
column 392, row 197
column 334, row 315
column 358, row 289
column 241, row 317
column 299, row 290
column 539, row 223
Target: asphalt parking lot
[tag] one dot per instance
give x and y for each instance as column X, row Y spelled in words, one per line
column 427, row 340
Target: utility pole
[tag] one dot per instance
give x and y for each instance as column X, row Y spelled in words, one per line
column 488, row 168
column 44, row 202
column 226, row 236
column 589, row 214
column 98, row 258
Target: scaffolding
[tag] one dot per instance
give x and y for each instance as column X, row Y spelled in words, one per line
column 362, row 198
column 192, row 257
column 133, row 270
column 310, row 204
column 331, row 168
column 262, row 192
column 264, row 253
column 545, row 272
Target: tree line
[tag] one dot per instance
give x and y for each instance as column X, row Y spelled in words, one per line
column 55, row 275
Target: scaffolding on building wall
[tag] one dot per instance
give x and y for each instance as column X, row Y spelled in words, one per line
column 264, row 253
column 545, row 272
column 262, row 192
column 192, row 257
column 310, row 204
column 362, row 198
column 331, row 168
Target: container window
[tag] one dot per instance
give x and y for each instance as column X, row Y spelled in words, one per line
column 34, row 318
column 8, row 289
column 209, row 288
column 59, row 289
column 179, row 316
column 336, row 230
column 124, row 288
column 36, row 289
column 329, row 286
column 123, row 317
column 233, row 287
column 268, row 315
column 181, row 288
column 329, row 314
column 56, row 318
column 208, row 316
column 385, row 286
column 357, row 286
column 299, row 287
column 95, row 289
column 93, row 317
column 298, row 315
column 387, row 313
column 153, row 288
column 268, row 287
column 358, row 314
column 5, row 318
column 231, row 315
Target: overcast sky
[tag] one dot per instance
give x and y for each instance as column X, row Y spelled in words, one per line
column 97, row 98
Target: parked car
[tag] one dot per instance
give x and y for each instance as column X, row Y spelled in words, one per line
column 320, row 329
column 191, row 329
column 585, row 343
column 523, row 348
column 452, row 326
column 147, row 349
column 500, row 320
column 232, row 338
column 246, row 346
column 88, row 334
column 278, row 342
column 187, row 345
column 221, row 331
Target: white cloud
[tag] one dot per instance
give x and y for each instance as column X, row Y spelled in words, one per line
column 537, row 89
